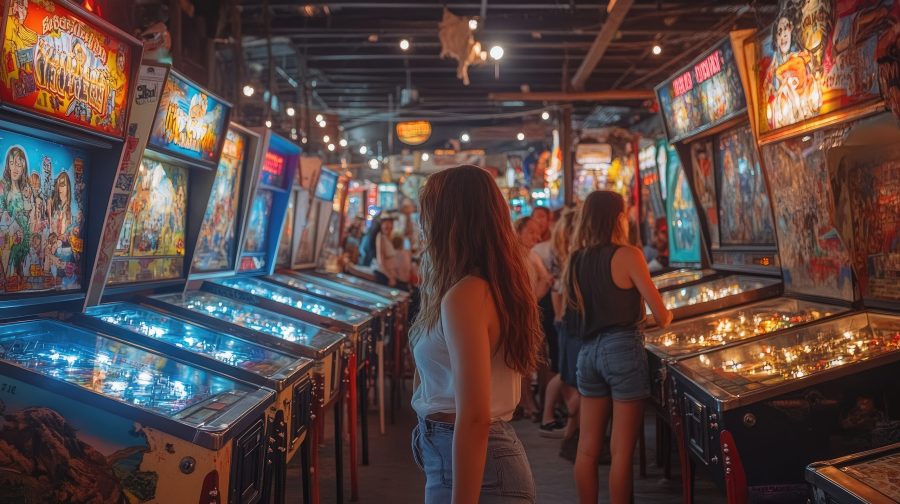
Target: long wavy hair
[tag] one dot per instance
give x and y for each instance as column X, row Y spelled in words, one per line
column 467, row 230
column 598, row 224
column 561, row 235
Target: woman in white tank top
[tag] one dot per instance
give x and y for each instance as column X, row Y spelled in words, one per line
column 477, row 332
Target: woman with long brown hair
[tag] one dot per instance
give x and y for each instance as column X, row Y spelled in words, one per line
column 477, row 333
column 606, row 284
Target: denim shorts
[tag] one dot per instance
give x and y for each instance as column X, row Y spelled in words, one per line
column 614, row 364
column 507, row 474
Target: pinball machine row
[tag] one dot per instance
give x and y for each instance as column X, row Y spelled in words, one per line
column 765, row 398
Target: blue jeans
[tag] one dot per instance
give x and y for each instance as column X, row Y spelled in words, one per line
column 507, row 475
column 614, row 364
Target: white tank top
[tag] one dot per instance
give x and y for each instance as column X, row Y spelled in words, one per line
column 436, row 392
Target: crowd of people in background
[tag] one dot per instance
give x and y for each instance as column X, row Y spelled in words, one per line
column 589, row 281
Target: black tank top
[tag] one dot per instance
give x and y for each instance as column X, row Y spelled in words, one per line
column 606, row 305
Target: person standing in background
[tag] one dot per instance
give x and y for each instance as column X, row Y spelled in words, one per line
column 528, row 233
column 384, row 266
column 606, row 283
column 541, row 216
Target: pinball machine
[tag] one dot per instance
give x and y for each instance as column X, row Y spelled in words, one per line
column 869, row 477
column 104, row 419
column 214, row 254
column 713, row 167
column 247, row 200
column 753, row 414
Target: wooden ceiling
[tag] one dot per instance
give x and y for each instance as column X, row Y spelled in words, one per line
column 348, row 55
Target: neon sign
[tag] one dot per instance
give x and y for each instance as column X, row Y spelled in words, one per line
column 189, row 122
column 58, row 64
column 706, row 93
column 273, row 167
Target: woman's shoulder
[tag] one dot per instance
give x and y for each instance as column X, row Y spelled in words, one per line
column 467, row 288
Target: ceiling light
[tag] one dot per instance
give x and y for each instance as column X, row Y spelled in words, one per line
column 425, row 156
column 363, row 149
column 473, row 24
column 268, row 123
column 520, row 136
column 343, row 142
column 465, row 137
column 331, row 147
column 322, row 124
column 304, row 140
column 496, row 52
column 326, row 139
column 404, row 45
column 657, row 50
column 290, row 111
column 319, row 118
column 545, row 115
column 293, row 135
column 248, row 90
column 373, row 164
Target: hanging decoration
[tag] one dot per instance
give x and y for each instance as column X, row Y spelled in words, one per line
column 458, row 43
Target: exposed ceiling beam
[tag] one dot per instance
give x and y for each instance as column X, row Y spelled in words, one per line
column 616, row 10
column 611, row 95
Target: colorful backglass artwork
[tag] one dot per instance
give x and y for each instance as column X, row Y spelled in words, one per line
column 151, row 243
column 866, row 188
column 189, row 123
column 745, row 215
column 287, row 234
column 706, row 93
column 684, row 223
column 820, row 56
column 273, row 168
column 814, row 259
column 705, row 184
column 57, row 64
column 216, row 244
column 653, row 211
column 306, row 248
column 42, row 200
column 258, row 225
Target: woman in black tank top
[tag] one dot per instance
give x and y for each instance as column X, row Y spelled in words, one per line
column 606, row 283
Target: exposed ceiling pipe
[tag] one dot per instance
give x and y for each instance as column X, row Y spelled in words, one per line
column 611, row 95
column 616, row 11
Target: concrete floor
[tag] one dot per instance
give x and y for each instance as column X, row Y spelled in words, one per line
column 393, row 478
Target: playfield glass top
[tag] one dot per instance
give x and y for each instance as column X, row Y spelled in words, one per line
column 254, row 318
column 119, row 371
column 333, row 291
column 795, row 354
column 170, row 330
column 714, row 290
column 305, row 302
column 678, row 277
column 382, row 290
column 737, row 324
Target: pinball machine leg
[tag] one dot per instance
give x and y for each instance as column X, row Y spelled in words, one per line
column 379, row 349
column 364, row 407
column 353, row 425
column 396, row 373
column 339, row 449
column 305, row 467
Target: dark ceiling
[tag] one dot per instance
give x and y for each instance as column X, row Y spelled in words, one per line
column 349, row 56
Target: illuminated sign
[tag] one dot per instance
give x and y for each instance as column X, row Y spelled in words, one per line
column 272, row 173
column 58, row 64
column 414, row 132
column 189, row 123
column 327, row 185
column 705, row 93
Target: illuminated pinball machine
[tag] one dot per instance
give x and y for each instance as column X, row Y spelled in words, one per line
column 214, row 255
column 357, row 325
column 653, row 166
column 704, row 112
column 869, row 477
column 380, row 308
column 754, row 414
column 139, row 426
column 275, row 159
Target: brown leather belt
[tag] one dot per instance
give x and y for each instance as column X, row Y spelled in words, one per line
column 449, row 418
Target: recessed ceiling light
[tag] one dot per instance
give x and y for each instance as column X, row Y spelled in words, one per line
column 520, row 136
column 473, row 24
column 326, row 138
column 497, row 52
column 545, row 115
column 657, row 50
column 465, row 137
column 248, row 90
column 331, row 147
column 343, row 142
column 404, row 45
column 290, row 111
column 363, row 149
